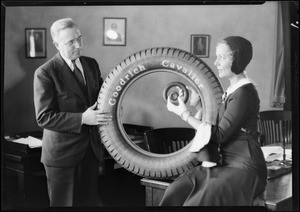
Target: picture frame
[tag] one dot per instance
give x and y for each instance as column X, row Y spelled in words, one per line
column 114, row 31
column 200, row 45
column 35, row 40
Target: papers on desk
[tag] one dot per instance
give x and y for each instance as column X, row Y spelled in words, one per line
column 30, row 141
column 272, row 153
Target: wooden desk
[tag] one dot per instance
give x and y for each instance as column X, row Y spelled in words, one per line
column 279, row 188
column 154, row 190
column 278, row 195
column 25, row 162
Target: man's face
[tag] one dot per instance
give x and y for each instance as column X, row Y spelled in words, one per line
column 69, row 43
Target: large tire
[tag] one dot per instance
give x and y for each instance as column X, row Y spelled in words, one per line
column 114, row 138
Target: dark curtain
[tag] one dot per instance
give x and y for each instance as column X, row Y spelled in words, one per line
column 282, row 57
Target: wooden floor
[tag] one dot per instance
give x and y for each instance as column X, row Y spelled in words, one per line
column 119, row 189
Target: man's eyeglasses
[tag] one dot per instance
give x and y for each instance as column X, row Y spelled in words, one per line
column 72, row 43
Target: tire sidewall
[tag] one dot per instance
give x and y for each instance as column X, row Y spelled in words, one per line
column 114, row 89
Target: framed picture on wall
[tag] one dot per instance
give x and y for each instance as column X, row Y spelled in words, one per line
column 114, row 31
column 200, row 45
column 35, row 40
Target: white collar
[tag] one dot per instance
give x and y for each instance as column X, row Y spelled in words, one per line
column 70, row 64
column 237, row 85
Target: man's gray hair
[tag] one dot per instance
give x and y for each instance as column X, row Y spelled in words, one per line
column 59, row 25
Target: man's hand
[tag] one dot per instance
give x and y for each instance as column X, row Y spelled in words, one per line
column 95, row 117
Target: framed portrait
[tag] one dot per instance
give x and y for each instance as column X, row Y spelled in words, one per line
column 200, row 45
column 114, row 30
column 35, row 39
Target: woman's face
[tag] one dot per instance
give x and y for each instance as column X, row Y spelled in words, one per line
column 224, row 60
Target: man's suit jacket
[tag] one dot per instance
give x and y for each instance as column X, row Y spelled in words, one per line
column 59, row 104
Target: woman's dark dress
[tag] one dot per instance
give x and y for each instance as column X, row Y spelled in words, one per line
column 241, row 174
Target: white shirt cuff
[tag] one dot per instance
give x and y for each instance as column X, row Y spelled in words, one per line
column 201, row 138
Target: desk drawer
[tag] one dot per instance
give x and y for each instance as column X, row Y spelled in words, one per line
column 19, row 164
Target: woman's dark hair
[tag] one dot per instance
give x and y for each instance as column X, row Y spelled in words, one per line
column 241, row 50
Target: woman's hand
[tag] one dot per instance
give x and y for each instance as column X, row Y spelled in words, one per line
column 198, row 115
column 195, row 102
column 194, row 97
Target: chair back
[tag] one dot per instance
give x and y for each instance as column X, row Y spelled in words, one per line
column 136, row 134
column 137, row 130
column 168, row 140
column 276, row 126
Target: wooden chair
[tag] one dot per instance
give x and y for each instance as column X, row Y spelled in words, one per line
column 276, row 127
column 134, row 129
column 168, row 140
column 136, row 134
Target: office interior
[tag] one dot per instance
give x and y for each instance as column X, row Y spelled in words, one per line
column 271, row 26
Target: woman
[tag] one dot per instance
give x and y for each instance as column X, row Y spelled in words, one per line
column 241, row 174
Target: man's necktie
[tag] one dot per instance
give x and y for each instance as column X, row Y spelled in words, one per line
column 78, row 74
column 224, row 96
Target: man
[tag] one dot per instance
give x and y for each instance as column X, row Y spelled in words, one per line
column 66, row 109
